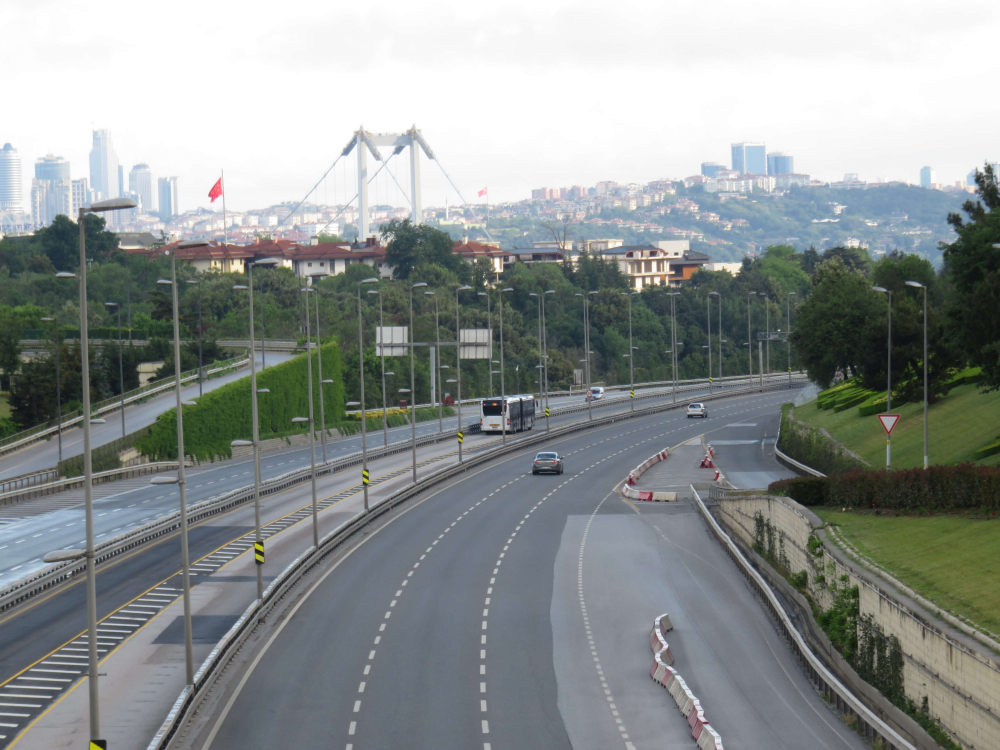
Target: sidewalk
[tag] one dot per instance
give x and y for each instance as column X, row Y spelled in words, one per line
column 145, row 669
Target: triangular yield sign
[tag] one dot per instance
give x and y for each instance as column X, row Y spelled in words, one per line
column 888, row 422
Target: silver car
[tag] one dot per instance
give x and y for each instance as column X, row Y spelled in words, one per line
column 547, row 461
column 697, row 410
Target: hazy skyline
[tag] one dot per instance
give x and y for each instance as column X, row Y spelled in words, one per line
column 514, row 95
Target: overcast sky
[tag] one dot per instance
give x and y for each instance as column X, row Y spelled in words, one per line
column 513, row 95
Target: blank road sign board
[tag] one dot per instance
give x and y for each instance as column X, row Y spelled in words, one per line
column 888, row 422
column 476, row 343
column 386, row 336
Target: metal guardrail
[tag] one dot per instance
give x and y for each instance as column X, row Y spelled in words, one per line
column 101, row 477
column 791, row 462
column 259, row 610
column 28, row 480
column 41, row 432
column 832, row 688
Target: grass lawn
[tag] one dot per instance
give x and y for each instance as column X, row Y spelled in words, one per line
column 957, row 425
column 950, row 560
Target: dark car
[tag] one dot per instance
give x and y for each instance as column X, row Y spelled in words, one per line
column 547, row 461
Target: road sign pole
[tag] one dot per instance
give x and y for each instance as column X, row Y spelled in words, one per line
column 888, row 421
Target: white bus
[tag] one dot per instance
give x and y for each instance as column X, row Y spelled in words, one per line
column 518, row 412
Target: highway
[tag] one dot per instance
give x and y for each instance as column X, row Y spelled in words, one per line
column 505, row 610
column 45, row 454
column 25, row 541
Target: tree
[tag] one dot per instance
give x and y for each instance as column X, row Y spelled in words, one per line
column 853, row 258
column 409, row 245
column 972, row 266
column 60, row 241
column 827, row 332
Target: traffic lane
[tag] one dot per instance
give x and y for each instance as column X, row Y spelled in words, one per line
column 45, row 454
column 725, row 644
column 31, row 631
column 744, row 452
column 398, row 670
column 24, row 544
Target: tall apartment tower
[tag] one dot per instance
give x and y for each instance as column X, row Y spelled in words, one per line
column 11, row 186
column 167, row 189
column 711, row 168
column 779, row 162
column 927, row 177
column 104, row 167
column 140, row 182
column 749, row 158
column 51, row 190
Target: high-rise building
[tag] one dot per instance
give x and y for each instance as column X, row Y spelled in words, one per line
column 104, row 167
column 779, row 162
column 169, row 205
column 11, row 186
column 50, row 190
column 121, row 181
column 140, row 182
column 927, row 177
column 711, row 168
column 750, row 158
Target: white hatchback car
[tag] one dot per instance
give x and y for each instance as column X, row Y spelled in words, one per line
column 697, row 410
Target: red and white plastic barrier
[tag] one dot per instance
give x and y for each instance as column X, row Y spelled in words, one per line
column 665, row 675
column 706, row 462
column 638, row 471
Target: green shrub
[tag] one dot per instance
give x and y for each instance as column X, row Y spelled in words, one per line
column 987, row 450
column 937, row 489
column 804, row 490
column 853, row 398
column 224, row 415
column 811, row 447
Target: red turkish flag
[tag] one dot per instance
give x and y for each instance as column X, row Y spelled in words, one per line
column 216, row 190
column 482, row 192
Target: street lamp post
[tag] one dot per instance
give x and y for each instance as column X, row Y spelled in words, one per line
column 673, row 340
column 200, row 329
column 749, row 341
column 458, row 367
column 767, row 327
column 504, row 414
column 121, row 369
column 489, row 324
column 364, row 413
column 254, row 413
column 413, row 385
column 720, row 334
column 58, row 384
column 541, row 388
column 545, row 359
column 385, row 412
column 888, row 386
column 788, row 341
column 263, row 357
column 114, row 204
column 631, row 351
column 319, row 365
column 436, row 369
column 312, row 422
column 921, row 286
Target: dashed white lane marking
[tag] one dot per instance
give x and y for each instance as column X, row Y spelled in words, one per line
column 619, row 725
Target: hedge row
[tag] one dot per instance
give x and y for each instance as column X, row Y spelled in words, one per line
column 939, row 488
column 811, row 447
column 987, row 450
column 224, row 415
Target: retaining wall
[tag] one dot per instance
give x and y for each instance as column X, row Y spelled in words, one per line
column 962, row 686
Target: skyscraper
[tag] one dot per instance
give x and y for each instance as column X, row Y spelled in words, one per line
column 104, row 167
column 169, row 205
column 779, row 162
column 710, row 168
column 140, row 181
column 927, row 177
column 50, row 190
column 750, row 158
column 11, row 187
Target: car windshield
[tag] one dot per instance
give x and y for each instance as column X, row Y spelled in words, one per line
column 598, row 390
column 492, row 407
column 547, row 455
column 695, row 406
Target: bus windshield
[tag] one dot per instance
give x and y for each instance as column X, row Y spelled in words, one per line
column 492, row 407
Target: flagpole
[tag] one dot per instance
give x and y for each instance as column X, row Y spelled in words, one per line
column 225, row 231
column 487, row 206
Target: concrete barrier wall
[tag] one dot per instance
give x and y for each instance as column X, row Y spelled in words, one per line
column 962, row 686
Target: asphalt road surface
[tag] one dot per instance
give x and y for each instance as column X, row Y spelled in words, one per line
column 506, row 610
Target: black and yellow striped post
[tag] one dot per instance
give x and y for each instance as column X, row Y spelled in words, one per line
column 461, row 438
column 258, row 552
column 631, row 394
column 365, row 477
column 98, row 745
column 710, row 381
column 546, row 412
